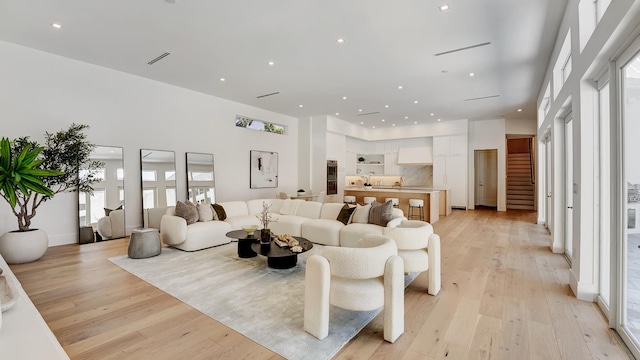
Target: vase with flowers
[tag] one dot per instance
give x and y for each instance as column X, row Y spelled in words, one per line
column 265, row 218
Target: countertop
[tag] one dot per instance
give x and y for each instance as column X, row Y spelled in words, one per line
column 417, row 190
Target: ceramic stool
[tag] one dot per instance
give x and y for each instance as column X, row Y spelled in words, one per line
column 394, row 201
column 349, row 199
column 144, row 243
column 369, row 199
column 416, row 205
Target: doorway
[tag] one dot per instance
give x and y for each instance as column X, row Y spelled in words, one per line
column 486, row 178
column 568, row 181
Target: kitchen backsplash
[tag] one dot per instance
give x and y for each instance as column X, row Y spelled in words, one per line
column 415, row 176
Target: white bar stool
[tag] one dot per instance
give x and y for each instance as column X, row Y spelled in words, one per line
column 369, row 199
column 416, row 205
column 349, row 199
column 394, row 201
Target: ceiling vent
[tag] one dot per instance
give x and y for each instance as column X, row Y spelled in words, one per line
column 159, row 58
column 371, row 113
column 462, row 49
column 482, row 98
column 265, row 95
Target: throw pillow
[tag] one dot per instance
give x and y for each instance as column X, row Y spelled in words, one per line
column 361, row 215
column 220, row 212
column 188, row 211
column 108, row 211
column 345, row 214
column 381, row 214
column 205, row 212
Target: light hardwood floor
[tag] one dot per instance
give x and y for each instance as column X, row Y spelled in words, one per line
column 504, row 296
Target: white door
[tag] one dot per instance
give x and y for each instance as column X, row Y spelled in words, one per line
column 456, row 180
column 486, row 177
column 568, row 181
column 547, row 186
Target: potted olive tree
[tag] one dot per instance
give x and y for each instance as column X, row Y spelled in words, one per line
column 31, row 174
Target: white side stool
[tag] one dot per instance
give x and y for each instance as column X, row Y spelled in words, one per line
column 416, row 205
column 394, row 201
column 349, row 199
column 369, row 199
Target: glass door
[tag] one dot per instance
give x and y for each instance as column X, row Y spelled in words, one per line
column 629, row 231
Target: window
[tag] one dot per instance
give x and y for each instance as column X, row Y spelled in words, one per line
column 248, row 123
column 170, row 192
column 98, row 174
column 601, row 8
column 148, row 198
column 562, row 66
column 201, row 175
column 96, row 205
column 149, row 175
column 566, row 69
column 170, row 175
column 120, row 173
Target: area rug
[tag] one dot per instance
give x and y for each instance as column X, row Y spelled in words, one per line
column 264, row 304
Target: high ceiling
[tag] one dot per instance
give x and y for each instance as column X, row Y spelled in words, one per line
column 387, row 44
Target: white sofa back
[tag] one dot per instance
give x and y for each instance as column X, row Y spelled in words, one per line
column 330, row 211
column 235, row 208
column 255, row 206
column 309, row 209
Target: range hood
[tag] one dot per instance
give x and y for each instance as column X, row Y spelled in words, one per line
column 415, row 156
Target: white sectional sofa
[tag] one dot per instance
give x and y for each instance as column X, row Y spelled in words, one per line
column 112, row 225
column 175, row 232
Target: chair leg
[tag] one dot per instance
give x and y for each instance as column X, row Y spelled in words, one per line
column 317, row 281
column 393, row 298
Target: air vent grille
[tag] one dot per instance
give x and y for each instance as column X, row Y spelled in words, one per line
column 371, row 113
column 159, row 58
column 265, row 95
column 482, row 98
column 462, row 49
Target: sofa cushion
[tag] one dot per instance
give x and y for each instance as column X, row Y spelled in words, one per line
column 345, row 214
column 322, row 231
column 221, row 214
column 288, row 224
column 235, row 208
column 330, row 211
column 361, row 215
column 205, row 212
column 381, row 214
column 255, row 206
column 188, row 211
column 309, row 209
column 352, row 233
column 289, row 206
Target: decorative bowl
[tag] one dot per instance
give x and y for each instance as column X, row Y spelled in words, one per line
column 250, row 229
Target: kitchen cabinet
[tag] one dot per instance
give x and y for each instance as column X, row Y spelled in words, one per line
column 450, row 167
column 450, row 145
column 391, row 166
column 372, row 164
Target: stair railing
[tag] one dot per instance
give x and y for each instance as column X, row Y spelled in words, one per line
column 531, row 178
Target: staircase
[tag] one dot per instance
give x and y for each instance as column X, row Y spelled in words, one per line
column 520, row 189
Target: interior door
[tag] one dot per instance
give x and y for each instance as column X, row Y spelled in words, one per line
column 568, row 176
column 547, row 188
column 486, row 175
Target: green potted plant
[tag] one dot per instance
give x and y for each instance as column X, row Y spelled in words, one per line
column 30, row 175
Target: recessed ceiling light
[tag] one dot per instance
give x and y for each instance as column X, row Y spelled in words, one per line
column 386, row 106
column 432, row 114
column 406, row 117
column 415, row 122
column 472, row 74
column 271, row 63
column 439, row 119
column 223, row 79
column 415, row 102
column 344, row 98
column 361, row 122
column 360, row 110
column 337, row 113
column 340, row 40
column 382, row 120
column 519, row 110
column 56, row 25
column 400, row 87
column 393, row 124
column 301, row 105
column 373, row 126
column 443, row 7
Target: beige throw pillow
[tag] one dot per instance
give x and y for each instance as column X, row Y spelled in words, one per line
column 205, row 212
column 188, row 211
column 361, row 215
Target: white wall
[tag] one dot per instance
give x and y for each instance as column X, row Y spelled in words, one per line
column 43, row 92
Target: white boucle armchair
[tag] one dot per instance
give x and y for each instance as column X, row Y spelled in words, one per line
column 362, row 278
column 419, row 249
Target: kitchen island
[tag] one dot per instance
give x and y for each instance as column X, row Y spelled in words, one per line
column 435, row 200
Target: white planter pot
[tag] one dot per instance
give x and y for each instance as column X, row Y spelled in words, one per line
column 23, row 246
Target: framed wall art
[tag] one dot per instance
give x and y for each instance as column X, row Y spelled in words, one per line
column 263, row 169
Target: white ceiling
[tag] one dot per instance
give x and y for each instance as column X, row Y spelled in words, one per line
column 387, row 44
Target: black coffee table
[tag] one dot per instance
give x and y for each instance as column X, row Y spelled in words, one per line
column 244, row 242
column 281, row 257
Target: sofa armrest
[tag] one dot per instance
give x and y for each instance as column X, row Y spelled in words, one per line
column 173, row 229
column 104, row 227
column 396, row 221
column 433, row 250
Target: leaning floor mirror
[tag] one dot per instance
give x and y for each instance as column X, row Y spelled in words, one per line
column 101, row 212
column 158, row 171
column 200, row 178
